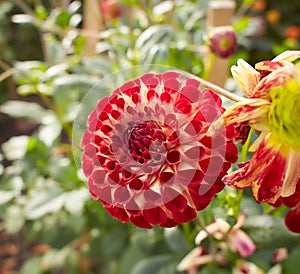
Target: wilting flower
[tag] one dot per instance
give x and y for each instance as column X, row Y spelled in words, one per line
column 227, row 238
column 236, row 239
column 147, row 153
column 222, row 41
column 280, row 254
column 244, row 267
column 273, row 111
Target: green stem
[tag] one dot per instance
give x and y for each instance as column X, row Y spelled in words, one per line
column 243, row 158
column 245, row 148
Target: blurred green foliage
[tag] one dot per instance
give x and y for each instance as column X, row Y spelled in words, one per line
column 43, row 196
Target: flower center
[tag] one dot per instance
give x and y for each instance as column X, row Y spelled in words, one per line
column 146, row 142
column 284, row 114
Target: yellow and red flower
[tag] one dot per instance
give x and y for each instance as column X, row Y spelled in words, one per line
column 272, row 109
column 147, row 153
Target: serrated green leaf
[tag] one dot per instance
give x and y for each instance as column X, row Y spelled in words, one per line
column 176, row 241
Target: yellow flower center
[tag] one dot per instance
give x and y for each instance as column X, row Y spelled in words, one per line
column 284, row 114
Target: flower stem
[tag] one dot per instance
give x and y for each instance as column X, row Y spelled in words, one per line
column 222, row 91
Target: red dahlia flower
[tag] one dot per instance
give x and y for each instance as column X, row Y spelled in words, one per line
column 147, row 153
column 273, row 111
column 223, row 41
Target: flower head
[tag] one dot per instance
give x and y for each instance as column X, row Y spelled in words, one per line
column 147, row 153
column 111, row 9
column 272, row 110
column 222, row 41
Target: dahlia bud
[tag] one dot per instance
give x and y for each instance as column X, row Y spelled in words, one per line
column 111, row 9
column 222, row 41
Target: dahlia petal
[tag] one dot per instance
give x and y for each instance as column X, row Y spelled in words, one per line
column 140, row 221
column 155, row 215
column 250, row 110
column 276, row 78
column 292, row 220
column 187, row 215
column 289, row 56
column 268, row 66
column 292, row 174
column 245, row 76
column 264, row 172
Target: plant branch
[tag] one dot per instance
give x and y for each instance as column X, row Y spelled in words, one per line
column 6, row 74
column 222, row 91
column 24, row 7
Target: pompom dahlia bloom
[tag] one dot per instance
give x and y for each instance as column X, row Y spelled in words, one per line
column 147, row 153
column 223, row 41
column 272, row 110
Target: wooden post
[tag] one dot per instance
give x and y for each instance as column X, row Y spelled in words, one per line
column 92, row 24
column 219, row 14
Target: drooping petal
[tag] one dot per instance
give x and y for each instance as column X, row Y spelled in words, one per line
column 244, row 267
column 252, row 111
column 264, row 173
column 246, row 76
column 292, row 220
column 289, row 56
column 240, row 242
column 194, row 259
column 292, row 174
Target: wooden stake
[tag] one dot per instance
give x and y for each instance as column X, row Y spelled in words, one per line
column 220, row 13
column 92, row 23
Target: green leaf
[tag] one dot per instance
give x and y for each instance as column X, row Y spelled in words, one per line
column 152, row 41
column 55, row 258
column 50, row 129
column 27, row 89
column 63, row 19
column 176, row 241
column 32, row 266
column 114, row 241
column 40, row 12
column 44, row 202
column 78, row 195
column 14, row 219
column 269, row 232
column 24, row 110
column 61, row 228
column 15, row 148
column 155, row 264
column 291, row 264
column 6, row 196
column 131, row 256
